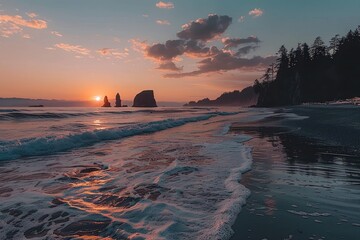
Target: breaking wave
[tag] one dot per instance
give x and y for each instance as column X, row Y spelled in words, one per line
column 52, row 144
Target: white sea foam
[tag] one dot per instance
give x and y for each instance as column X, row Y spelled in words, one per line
column 310, row 214
column 239, row 156
column 182, row 183
column 54, row 144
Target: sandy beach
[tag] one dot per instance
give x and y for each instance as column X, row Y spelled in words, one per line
column 305, row 180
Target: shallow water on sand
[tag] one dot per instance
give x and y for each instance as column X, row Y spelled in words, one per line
column 160, row 177
column 301, row 187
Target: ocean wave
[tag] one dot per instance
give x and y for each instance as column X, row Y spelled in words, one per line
column 8, row 110
column 43, row 115
column 52, row 144
column 13, row 114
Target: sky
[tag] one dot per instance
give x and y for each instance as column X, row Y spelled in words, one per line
column 182, row 49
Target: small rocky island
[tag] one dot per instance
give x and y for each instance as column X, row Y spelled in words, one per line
column 106, row 102
column 117, row 100
column 145, row 99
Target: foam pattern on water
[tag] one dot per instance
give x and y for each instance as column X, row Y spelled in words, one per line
column 182, row 183
column 54, row 144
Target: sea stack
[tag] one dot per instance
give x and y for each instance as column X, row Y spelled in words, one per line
column 118, row 100
column 106, row 102
column 145, row 99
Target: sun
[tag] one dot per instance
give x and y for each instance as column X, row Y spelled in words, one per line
column 97, row 98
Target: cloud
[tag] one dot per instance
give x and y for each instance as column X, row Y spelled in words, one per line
column 256, row 12
column 205, row 29
column 163, row 22
column 197, row 49
column 32, row 15
column 170, row 66
column 19, row 21
column 138, row 46
column 56, row 33
column 245, row 50
column 235, row 42
column 167, row 5
column 193, row 42
column 77, row 49
column 10, row 25
column 27, row 36
column 167, row 51
column 225, row 61
column 174, row 48
column 110, row 52
column 241, row 19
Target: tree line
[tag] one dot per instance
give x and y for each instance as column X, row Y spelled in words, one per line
column 316, row 73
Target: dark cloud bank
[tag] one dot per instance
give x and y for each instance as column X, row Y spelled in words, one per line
column 192, row 42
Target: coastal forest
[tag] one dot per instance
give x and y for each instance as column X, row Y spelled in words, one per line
column 316, row 73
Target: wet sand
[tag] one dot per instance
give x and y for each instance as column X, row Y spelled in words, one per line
column 305, row 179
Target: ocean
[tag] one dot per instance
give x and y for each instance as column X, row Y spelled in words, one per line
column 122, row 173
column 180, row 173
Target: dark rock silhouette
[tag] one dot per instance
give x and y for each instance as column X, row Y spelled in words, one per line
column 106, row 102
column 118, row 100
column 246, row 97
column 145, row 99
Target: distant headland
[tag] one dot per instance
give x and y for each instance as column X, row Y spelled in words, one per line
column 246, row 97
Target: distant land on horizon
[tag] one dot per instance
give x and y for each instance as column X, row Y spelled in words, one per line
column 245, row 97
column 26, row 102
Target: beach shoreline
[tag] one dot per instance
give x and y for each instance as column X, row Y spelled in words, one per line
column 305, row 177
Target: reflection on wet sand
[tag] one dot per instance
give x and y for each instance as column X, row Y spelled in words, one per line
column 304, row 183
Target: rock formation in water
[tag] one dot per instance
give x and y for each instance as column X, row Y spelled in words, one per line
column 118, row 100
column 145, row 99
column 106, row 102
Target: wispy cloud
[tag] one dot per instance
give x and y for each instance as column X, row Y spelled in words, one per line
column 18, row 20
column 138, row 45
column 27, row 36
column 13, row 24
column 241, row 19
column 167, row 5
column 32, row 15
column 163, row 22
column 225, row 61
column 77, row 49
column 256, row 12
column 111, row 52
column 56, row 33
column 235, row 42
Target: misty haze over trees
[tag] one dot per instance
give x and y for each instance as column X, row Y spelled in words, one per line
column 315, row 73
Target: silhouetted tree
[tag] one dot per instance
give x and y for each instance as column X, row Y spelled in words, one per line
column 317, row 74
column 318, row 49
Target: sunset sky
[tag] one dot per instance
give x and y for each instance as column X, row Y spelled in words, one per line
column 182, row 49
